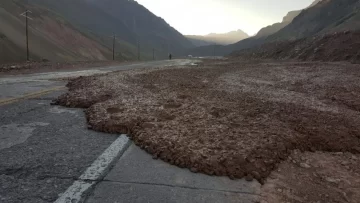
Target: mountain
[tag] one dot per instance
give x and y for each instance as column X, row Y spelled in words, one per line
column 328, row 31
column 199, row 41
column 339, row 46
column 50, row 36
column 314, row 3
column 10, row 52
column 326, row 16
column 130, row 21
column 321, row 17
column 142, row 22
column 214, row 38
column 82, row 30
column 271, row 29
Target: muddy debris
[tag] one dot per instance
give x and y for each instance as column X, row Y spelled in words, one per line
column 327, row 181
column 244, row 122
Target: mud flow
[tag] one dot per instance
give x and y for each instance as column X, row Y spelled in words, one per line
column 232, row 118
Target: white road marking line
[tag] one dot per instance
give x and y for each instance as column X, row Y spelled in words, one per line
column 95, row 172
column 97, row 169
column 75, row 191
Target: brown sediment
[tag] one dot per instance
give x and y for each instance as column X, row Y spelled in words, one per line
column 229, row 118
column 314, row 177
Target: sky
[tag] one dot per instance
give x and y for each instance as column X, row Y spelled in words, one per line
column 200, row 17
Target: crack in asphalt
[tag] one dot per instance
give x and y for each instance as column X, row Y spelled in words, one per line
column 181, row 186
column 43, row 177
column 18, row 170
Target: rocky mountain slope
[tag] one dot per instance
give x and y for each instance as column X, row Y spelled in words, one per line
column 321, row 17
column 215, row 38
column 328, row 31
column 10, row 52
column 325, row 17
column 130, row 21
column 271, row 29
column 50, row 37
column 340, row 46
column 147, row 26
column 82, row 30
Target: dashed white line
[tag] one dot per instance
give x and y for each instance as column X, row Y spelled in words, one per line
column 95, row 172
column 75, row 192
column 101, row 164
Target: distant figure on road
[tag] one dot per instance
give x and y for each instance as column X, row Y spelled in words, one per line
column 170, row 56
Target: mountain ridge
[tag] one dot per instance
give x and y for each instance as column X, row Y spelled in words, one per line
column 94, row 22
column 323, row 17
column 218, row 38
column 287, row 19
column 47, row 31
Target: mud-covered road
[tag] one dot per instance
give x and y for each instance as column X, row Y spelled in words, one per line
column 241, row 119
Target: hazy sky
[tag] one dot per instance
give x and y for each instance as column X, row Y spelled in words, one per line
column 206, row 16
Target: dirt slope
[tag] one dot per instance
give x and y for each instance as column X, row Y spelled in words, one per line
column 128, row 19
column 9, row 51
column 50, row 37
column 340, row 46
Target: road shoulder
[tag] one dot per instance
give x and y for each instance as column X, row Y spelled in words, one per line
column 137, row 178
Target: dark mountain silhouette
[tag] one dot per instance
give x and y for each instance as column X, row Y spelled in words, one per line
column 271, row 29
column 150, row 29
column 215, row 38
column 326, row 16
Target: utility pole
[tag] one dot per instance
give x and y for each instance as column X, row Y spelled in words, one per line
column 27, row 37
column 168, row 50
column 114, row 47
column 138, row 43
column 25, row 14
column 153, row 54
column 214, row 50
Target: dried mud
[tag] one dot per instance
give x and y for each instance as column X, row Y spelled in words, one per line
column 314, row 177
column 227, row 118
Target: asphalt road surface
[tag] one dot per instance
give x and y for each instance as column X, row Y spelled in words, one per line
column 44, row 148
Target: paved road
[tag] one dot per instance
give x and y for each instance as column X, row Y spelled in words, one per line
column 20, row 85
column 44, row 149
